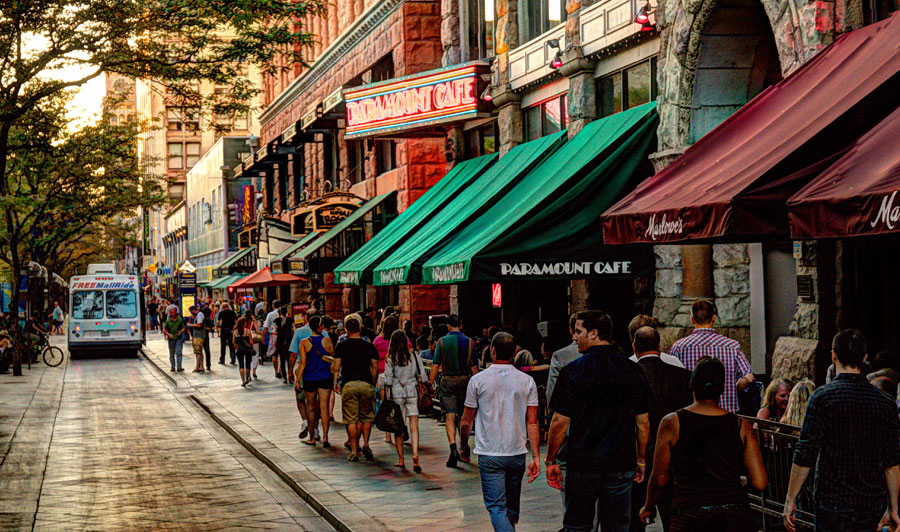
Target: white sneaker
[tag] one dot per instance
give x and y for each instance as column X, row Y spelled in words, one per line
column 303, row 430
column 316, row 434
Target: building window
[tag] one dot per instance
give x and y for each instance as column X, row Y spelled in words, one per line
column 356, row 171
column 482, row 140
column 183, row 119
column 627, row 88
column 547, row 117
column 385, row 155
column 192, row 154
column 282, row 188
column 331, row 158
column 297, row 167
column 478, row 29
column 538, row 16
column 176, row 154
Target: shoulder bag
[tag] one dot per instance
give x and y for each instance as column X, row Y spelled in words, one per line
column 423, row 390
column 389, row 417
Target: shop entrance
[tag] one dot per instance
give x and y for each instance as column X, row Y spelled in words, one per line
column 870, row 291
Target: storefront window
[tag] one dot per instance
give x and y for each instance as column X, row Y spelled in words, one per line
column 547, row 117
column 355, row 159
column 633, row 86
column 482, row 140
column 538, row 16
column 385, row 155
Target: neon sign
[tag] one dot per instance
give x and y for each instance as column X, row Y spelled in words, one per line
column 414, row 101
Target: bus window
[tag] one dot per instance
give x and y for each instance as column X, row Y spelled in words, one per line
column 87, row 304
column 121, row 304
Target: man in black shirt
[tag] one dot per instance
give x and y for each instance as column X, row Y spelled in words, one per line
column 226, row 320
column 850, row 434
column 357, row 362
column 602, row 399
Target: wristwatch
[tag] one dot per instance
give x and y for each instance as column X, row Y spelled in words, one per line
column 549, row 462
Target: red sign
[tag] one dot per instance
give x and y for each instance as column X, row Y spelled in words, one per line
column 496, row 295
column 249, row 202
column 414, row 101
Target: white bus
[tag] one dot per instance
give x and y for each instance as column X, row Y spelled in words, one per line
column 105, row 314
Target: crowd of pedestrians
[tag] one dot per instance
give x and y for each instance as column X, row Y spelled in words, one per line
column 635, row 434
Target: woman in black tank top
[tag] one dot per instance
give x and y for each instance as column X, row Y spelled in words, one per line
column 704, row 449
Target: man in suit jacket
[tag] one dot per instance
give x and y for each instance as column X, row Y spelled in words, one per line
column 671, row 389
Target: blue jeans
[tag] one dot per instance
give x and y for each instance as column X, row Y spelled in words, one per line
column 175, row 347
column 830, row 518
column 609, row 494
column 501, row 486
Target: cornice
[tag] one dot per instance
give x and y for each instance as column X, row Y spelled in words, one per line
column 361, row 28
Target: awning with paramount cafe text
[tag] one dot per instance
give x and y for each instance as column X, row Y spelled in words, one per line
column 404, row 264
column 857, row 195
column 547, row 226
column 357, row 269
column 721, row 185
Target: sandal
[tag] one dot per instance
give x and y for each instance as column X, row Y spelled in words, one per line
column 401, row 466
column 326, row 445
column 348, row 446
column 307, row 442
column 416, row 466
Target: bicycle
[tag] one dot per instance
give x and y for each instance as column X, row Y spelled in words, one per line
column 51, row 355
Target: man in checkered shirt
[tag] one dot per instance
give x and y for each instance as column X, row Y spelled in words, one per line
column 705, row 341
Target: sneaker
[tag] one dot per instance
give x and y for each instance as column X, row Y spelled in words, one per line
column 304, row 431
column 316, row 435
column 180, row 369
column 367, row 452
column 454, row 458
column 172, row 370
column 353, row 458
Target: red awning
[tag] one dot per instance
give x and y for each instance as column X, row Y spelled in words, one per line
column 717, row 187
column 264, row 277
column 857, row 195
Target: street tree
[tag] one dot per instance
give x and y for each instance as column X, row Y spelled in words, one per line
column 176, row 43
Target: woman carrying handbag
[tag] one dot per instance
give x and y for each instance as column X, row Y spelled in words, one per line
column 402, row 374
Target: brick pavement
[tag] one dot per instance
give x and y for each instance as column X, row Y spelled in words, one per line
column 370, row 496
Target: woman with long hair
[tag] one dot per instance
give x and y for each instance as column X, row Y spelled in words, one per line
column 243, row 343
column 775, row 400
column 382, row 344
column 402, row 371
column 796, row 406
column 704, row 449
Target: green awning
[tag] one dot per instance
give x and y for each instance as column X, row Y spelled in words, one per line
column 403, row 266
column 357, row 269
column 332, row 233
column 548, row 225
column 222, row 282
column 234, row 258
column 296, row 245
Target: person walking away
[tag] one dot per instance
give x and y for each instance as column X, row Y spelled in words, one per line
column 503, row 402
column 260, row 308
column 705, row 341
column 796, row 406
column 671, row 389
column 382, row 343
column 603, row 400
column 775, row 400
column 208, row 326
column 849, row 434
column 317, row 379
column 57, row 317
column 300, row 334
column 243, row 341
column 704, row 449
column 402, row 372
column 356, row 360
column 173, row 329
column 195, row 326
column 270, row 328
column 454, row 358
column 225, row 321
column 643, row 320
column 285, row 333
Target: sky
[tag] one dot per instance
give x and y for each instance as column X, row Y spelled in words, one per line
column 88, row 101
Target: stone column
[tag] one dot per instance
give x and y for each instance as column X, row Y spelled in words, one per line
column 450, row 32
column 582, row 88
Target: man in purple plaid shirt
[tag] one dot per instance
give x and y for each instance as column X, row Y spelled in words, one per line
column 705, row 341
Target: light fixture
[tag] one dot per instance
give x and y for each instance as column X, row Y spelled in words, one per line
column 557, row 61
column 486, row 95
column 646, row 26
column 643, row 15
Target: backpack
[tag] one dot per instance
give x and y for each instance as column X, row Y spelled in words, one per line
column 208, row 323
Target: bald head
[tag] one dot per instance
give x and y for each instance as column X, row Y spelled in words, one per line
column 646, row 341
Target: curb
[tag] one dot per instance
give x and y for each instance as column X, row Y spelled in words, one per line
column 159, row 369
column 307, row 497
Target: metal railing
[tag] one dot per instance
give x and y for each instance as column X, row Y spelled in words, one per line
column 777, row 442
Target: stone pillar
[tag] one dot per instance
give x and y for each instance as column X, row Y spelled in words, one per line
column 455, row 146
column 697, row 279
column 450, row 32
column 509, row 103
column 582, row 88
column 510, row 121
column 578, row 301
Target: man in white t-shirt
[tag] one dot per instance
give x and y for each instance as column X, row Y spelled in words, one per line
column 269, row 327
column 505, row 401
column 643, row 320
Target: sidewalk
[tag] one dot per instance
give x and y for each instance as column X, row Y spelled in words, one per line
column 28, row 408
column 364, row 496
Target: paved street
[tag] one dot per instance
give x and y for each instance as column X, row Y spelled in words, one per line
column 127, row 453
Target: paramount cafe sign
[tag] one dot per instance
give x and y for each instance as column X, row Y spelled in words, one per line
column 551, row 269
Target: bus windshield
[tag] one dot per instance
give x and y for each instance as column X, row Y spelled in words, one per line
column 87, row 304
column 121, row 304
